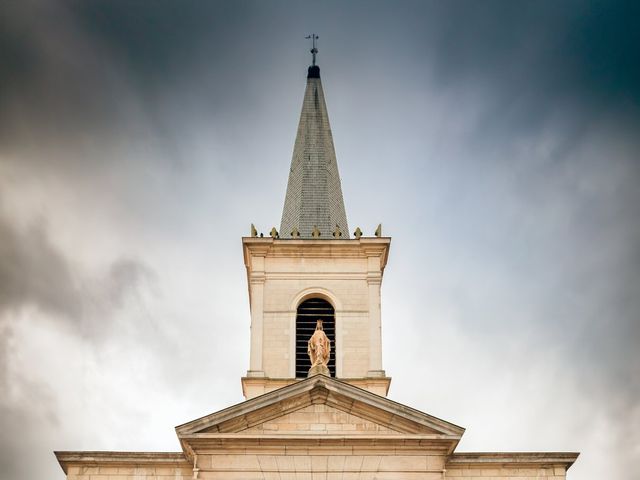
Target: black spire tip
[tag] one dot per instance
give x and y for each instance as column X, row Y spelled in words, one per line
column 314, row 72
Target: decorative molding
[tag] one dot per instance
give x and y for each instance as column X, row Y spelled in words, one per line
column 466, row 459
column 67, row 458
column 311, row 292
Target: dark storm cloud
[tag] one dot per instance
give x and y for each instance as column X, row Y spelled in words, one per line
column 67, row 95
column 540, row 61
column 526, row 61
column 531, row 54
column 79, row 74
column 550, row 49
column 50, row 78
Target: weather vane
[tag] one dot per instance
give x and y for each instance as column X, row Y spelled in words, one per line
column 314, row 50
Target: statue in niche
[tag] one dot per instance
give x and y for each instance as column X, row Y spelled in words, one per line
column 319, row 349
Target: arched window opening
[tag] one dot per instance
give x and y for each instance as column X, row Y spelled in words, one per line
column 309, row 312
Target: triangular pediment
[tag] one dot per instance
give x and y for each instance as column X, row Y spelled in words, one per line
column 320, row 405
column 320, row 419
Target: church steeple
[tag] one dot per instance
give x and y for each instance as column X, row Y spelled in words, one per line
column 311, row 270
column 314, row 194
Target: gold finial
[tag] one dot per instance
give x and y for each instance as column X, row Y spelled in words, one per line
column 315, row 233
column 254, row 232
column 274, row 233
column 337, row 233
column 357, row 233
column 379, row 230
column 295, row 233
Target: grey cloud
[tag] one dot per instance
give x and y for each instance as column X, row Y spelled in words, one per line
column 125, row 278
column 27, row 409
column 33, row 272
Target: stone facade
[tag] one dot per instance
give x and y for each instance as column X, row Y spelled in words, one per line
column 305, row 464
column 336, row 465
column 320, row 420
column 125, row 466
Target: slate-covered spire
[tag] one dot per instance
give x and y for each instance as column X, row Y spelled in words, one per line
column 314, row 194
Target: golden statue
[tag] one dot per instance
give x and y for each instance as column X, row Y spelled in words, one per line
column 319, row 349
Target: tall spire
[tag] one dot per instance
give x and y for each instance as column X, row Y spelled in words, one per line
column 314, row 196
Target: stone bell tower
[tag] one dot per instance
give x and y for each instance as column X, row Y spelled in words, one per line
column 312, row 270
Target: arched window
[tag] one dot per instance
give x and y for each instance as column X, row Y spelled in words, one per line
column 309, row 312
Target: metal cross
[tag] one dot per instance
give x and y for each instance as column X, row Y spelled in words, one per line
column 314, row 50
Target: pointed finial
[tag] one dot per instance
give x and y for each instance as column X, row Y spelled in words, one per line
column 295, row 233
column 337, row 233
column 254, row 232
column 379, row 230
column 315, row 233
column 274, row 233
column 357, row 233
column 314, row 50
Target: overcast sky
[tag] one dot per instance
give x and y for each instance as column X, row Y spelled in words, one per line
column 497, row 142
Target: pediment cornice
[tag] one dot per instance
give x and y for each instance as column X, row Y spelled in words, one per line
column 412, row 426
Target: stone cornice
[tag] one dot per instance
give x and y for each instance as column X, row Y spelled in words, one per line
column 257, row 277
column 565, row 459
column 257, row 249
column 67, row 458
column 205, row 442
column 354, row 248
column 272, row 384
column 317, row 275
column 374, row 278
